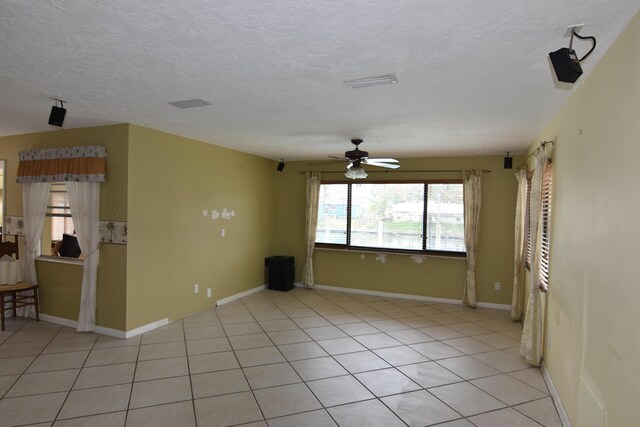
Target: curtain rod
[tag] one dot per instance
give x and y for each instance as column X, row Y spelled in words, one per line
column 542, row 145
column 397, row 171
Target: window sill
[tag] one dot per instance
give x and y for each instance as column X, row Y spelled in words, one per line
column 458, row 255
column 61, row 260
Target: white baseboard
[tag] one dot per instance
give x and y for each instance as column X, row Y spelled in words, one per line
column 107, row 331
column 564, row 418
column 240, row 295
column 405, row 296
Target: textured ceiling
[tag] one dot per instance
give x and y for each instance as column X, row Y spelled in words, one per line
column 474, row 75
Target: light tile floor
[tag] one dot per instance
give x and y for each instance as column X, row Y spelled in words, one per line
column 300, row 358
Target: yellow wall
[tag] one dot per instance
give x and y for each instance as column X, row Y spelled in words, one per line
column 111, row 305
column 592, row 347
column 436, row 277
column 172, row 246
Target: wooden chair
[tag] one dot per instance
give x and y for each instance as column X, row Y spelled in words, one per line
column 9, row 293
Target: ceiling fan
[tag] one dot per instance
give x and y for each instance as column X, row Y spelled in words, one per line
column 356, row 158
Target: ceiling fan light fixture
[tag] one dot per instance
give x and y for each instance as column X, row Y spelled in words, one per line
column 356, row 172
column 388, row 79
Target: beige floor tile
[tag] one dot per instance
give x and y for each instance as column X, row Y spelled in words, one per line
column 289, row 337
column 410, row 336
column 99, row 376
column 211, row 362
column 161, row 368
column 162, row 351
column 269, row 315
column 242, row 328
column 468, row 368
column 444, row 319
column 271, row 375
column 386, row 382
column 6, row 382
column 286, row 400
column 342, row 319
column 361, row 361
column 242, row 342
column 161, row 336
column 208, row 345
column 457, row 423
column 110, row 356
column 436, row 350
column 508, row 389
column 278, row 325
column 358, row 328
column 466, row 399
column 259, row 356
column 226, row 410
column 299, row 351
column 499, row 341
column 503, row 418
column 65, row 346
column 319, row 418
column 388, row 325
column 204, row 332
column 532, row 377
column 318, row 368
column 429, row 374
column 339, row 390
column 341, row 345
column 370, row 413
column 469, row 329
column 376, row 341
column 398, row 356
column 15, row 365
column 502, row 361
column 297, row 313
column 43, row 382
column 157, row 392
column 314, row 321
column 217, row 383
column 30, row 409
column 542, row 411
column 500, row 325
column 200, row 322
column 469, row 345
column 420, row 408
column 113, row 419
column 58, row 361
column 95, row 401
column 31, row 348
column 470, row 316
column 111, row 342
column 325, row 332
column 441, row 332
column 34, row 335
column 171, row 415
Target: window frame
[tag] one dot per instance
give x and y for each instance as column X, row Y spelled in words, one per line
column 431, row 252
column 545, row 240
column 64, row 215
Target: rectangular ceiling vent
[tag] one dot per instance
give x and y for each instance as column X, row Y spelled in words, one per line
column 389, row 79
column 190, row 103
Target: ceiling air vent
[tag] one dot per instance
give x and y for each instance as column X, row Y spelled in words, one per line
column 190, row 103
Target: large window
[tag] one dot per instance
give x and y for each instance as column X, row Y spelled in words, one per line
column 408, row 217
column 545, row 213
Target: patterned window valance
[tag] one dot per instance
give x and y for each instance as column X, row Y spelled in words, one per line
column 82, row 163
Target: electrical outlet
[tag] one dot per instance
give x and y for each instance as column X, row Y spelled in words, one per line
column 195, row 288
column 222, row 233
column 497, row 286
column 208, row 292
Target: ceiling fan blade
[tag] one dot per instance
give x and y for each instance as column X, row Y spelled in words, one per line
column 383, row 165
column 382, row 160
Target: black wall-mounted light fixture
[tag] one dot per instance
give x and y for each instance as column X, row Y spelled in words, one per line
column 56, row 118
column 281, row 166
column 565, row 60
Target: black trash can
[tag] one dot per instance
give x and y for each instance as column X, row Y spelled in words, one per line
column 281, row 272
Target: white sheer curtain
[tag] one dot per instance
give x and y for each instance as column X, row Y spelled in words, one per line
column 519, row 232
column 84, row 199
column 35, row 197
column 531, row 343
column 311, row 224
column 472, row 204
